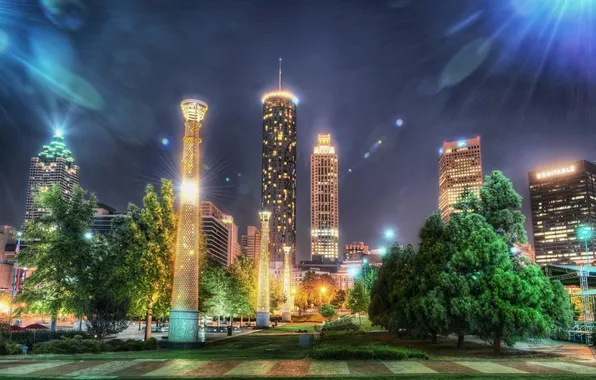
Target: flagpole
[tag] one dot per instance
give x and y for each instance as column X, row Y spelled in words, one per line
column 15, row 272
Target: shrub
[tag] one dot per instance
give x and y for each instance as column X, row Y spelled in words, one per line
column 132, row 345
column 30, row 337
column 367, row 352
column 342, row 324
column 327, row 311
column 71, row 346
column 9, row 348
column 308, row 318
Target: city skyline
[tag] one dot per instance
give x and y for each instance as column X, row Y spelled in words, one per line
column 360, row 88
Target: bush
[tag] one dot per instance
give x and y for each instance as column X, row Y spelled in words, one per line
column 327, row 311
column 368, row 352
column 9, row 348
column 132, row 345
column 30, row 337
column 308, row 318
column 342, row 324
column 71, row 346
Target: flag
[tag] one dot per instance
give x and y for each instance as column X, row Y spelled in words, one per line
column 18, row 247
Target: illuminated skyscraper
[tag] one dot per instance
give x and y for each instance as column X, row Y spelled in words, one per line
column 562, row 200
column 252, row 241
column 324, row 215
column 278, row 191
column 460, row 166
column 184, row 316
column 53, row 166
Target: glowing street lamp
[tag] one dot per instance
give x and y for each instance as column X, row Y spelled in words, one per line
column 323, row 290
column 585, row 233
column 88, row 235
column 389, row 234
column 382, row 251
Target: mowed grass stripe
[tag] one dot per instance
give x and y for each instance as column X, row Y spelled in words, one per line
column 328, row 368
column 570, row 367
column 488, row 367
column 176, row 367
column 104, row 369
column 408, row 367
column 29, row 368
column 252, row 368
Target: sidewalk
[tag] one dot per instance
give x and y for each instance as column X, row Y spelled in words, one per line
column 293, row 368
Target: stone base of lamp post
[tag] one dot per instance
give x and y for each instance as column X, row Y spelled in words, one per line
column 263, row 321
column 286, row 316
column 184, row 330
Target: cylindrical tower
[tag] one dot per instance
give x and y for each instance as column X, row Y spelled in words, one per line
column 263, row 280
column 185, row 295
column 287, row 313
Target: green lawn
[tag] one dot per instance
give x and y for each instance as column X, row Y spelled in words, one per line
column 290, row 328
column 246, row 347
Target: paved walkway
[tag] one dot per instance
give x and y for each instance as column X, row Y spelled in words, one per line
column 294, row 368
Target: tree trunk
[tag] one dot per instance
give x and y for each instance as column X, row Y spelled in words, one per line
column 497, row 344
column 460, row 340
column 148, row 322
column 359, row 320
column 140, row 323
column 53, row 323
column 434, row 335
column 241, row 320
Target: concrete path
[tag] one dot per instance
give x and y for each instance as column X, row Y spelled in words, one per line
column 291, row 368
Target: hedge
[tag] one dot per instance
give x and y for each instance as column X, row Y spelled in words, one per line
column 30, row 337
column 342, row 324
column 367, row 352
column 77, row 345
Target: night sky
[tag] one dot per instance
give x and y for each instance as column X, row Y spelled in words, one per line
column 112, row 73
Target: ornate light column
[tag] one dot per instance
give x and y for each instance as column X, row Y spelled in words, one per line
column 184, row 316
column 287, row 313
column 263, row 284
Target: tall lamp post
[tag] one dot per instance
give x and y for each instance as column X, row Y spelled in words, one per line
column 287, row 314
column 585, row 233
column 263, row 279
column 184, row 316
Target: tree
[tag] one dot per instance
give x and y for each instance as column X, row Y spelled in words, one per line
column 147, row 246
column 495, row 301
column 217, row 295
column 369, row 275
column 358, row 298
column 327, row 311
column 276, row 294
column 58, row 249
column 244, row 273
column 339, row 298
column 432, row 259
column 312, row 287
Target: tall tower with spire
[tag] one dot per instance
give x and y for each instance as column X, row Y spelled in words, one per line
column 278, row 176
column 54, row 165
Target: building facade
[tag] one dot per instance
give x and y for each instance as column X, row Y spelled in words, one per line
column 102, row 219
column 214, row 232
column 563, row 200
column 53, row 166
column 233, row 245
column 252, row 246
column 278, row 191
column 324, row 205
column 460, row 166
column 355, row 251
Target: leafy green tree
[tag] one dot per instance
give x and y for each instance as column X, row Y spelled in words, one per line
column 57, row 248
column 369, row 275
column 216, row 290
column 244, row 274
column 276, row 294
column 339, row 298
column 327, row 311
column 146, row 239
column 358, row 298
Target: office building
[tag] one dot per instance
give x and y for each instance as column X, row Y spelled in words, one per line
column 102, row 219
column 278, row 191
column 233, row 246
column 215, row 232
column 460, row 166
column 253, row 243
column 355, row 251
column 53, row 166
column 563, row 200
column 324, row 214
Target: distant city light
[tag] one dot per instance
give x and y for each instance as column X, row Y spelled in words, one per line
column 165, row 142
column 352, row 271
column 88, row 235
column 461, row 144
column 441, row 150
column 58, row 133
column 364, row 260
column 349, row 170
column 389, row 233
column 584, row 233
column 19, row 234
column 399, row 122
column 227, row 179
column 366, row 155
column 380, row 142
column 382, row 250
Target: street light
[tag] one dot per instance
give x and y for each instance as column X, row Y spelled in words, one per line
column 389, row 234
column 323, row 290
column 382, row 251
column 88, row 235
column 585, row 233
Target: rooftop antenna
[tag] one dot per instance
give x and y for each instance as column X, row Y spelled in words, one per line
column 279, row 85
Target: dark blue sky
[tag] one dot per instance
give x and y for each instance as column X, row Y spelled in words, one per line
column 115, row 82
